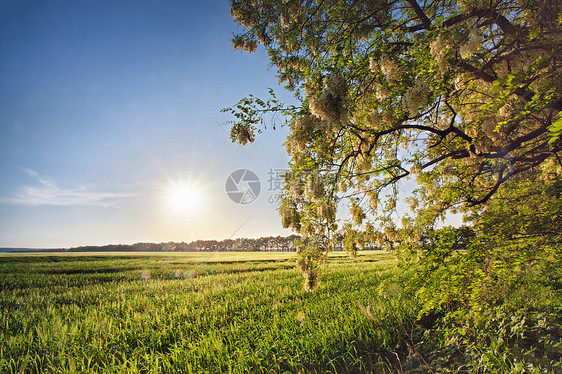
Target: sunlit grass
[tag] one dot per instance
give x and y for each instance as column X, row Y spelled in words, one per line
column 193, row 312
column 248, row 312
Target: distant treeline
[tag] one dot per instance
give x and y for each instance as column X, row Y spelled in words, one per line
column 265, row 244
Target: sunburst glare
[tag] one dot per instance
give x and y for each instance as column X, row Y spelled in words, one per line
column 185, row 199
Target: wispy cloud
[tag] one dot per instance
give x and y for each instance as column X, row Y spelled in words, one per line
column 46, row 192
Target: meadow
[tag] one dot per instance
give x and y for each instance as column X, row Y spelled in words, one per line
column 200, row 312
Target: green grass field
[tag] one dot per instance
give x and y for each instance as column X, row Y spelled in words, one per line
column 198, row 312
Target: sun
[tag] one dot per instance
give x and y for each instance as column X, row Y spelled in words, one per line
column 184, row 198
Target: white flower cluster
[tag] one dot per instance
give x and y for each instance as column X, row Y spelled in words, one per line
column 357, row 214
column 415, row 97
column 391, row 233
column 290, row 218
column 489, row 127
column 381, row 92
column 242, row 134
column 326, row 212
column 319, row 107
column 416, row 168
column 334, row 84
column 505, row 111
column 459, row 82
column 296, row 143
column 342, row 186
column 374, row 120
column 310, row 86
column 285, row 20
column 373, row 199
column 305, row 122
column 245, row 136
column 329, row 103
column 313, row 188
column 284, row 212
column 438, row 49
column 373, row 64
column 243, row 44
column 413, row 204
column 388, row 117
column 463, row 4
column 295, row 189
column 472, row 45
column 310, row 230
column 389, row 68
column 363, row 163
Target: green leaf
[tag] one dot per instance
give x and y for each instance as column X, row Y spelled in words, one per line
column 555, row 130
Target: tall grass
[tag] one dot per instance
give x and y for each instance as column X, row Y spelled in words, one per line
column 176, row 314
column 248, row 313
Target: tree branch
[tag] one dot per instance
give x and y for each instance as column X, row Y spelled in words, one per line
column 515, row 144
column 455, row 154
column 419, row 12
column 478, row 73
column 503, row 23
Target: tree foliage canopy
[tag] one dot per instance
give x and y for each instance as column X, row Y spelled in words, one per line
column 464, row 96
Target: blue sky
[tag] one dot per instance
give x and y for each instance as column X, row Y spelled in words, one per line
column 107, row 106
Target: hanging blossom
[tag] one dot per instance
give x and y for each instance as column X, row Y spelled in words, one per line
column 472, row 45
column 388, row 117
column 416, row 168
column 464, row 4
column 489, row 127
column 329, row 103
column 438, row 49
column 335, row 84
column 415, row 97
column 506, row 111
column 459, row 82
column 297, row 143
column 306, row 122
column 373, row 64
column 285, row 20
column 242, row 134
column 313, row 187
column 319, row 107
column 363, row 164
column 326, row 212
column 357, row 214
column 374, row 120
column 381, row 93
column 389, row 68
column 289, row 218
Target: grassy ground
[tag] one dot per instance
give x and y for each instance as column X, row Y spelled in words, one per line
column 197, row 312
column 248, row 312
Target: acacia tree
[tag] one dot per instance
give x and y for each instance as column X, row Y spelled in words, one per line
column 464, row 96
